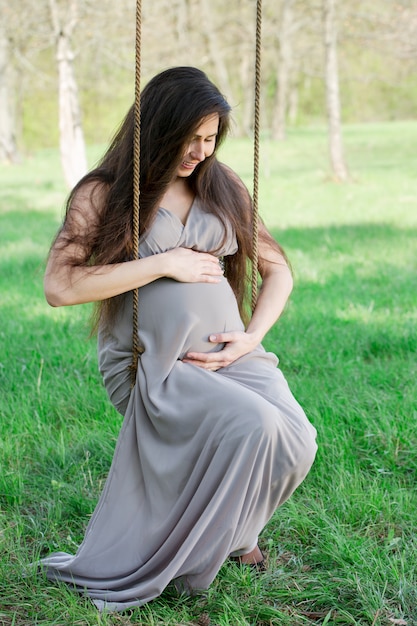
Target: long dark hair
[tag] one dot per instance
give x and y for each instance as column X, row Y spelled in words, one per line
column 173, row 105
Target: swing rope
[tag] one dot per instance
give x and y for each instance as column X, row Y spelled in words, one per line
column 136, row 348
column 257, row 125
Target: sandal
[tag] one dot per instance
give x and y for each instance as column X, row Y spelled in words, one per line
column 258, row 567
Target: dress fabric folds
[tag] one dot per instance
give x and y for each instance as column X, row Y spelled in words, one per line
column 203, row 458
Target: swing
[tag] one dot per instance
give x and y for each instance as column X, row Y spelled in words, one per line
column 196, row 475
column 136, row 348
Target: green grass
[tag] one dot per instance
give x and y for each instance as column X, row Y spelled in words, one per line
column 343, row 549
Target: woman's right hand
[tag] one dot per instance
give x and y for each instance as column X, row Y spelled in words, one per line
column 67, row 285
column 190, row 266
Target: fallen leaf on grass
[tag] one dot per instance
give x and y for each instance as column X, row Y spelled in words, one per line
column 398, row 622
column 314, row 614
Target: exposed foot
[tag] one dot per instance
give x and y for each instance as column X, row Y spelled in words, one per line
column 254, row 559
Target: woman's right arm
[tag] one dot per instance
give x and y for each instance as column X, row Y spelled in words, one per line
column 67, row 283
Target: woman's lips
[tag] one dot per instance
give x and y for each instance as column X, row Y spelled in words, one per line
column 188, row 166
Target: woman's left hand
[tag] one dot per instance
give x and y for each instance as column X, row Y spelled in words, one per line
column 237, row 344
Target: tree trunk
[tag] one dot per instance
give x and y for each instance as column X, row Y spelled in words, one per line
column 8, row 149
column 293, row 103
column 246, row 98
column 283, row 71
column 72, row 144
column 215, row 51
column 337, row 160
column 180, row 10
column 71, row 136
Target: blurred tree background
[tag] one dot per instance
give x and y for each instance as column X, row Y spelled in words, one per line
column 94, row 40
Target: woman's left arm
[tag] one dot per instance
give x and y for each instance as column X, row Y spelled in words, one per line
column 275, row 290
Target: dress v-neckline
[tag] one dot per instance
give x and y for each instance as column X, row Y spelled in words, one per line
column 177, row 217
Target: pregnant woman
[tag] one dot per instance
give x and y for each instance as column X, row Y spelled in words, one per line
column 212, row 440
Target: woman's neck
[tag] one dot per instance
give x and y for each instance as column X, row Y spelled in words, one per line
column 178, row 199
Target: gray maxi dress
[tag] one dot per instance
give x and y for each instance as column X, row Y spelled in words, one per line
column 203, row 458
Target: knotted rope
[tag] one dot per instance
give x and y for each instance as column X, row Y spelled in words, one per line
column 136, row 350
column 255, row 209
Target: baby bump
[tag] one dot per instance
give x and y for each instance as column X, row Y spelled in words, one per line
column 179, row 317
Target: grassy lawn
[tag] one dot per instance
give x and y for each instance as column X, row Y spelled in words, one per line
column 343, row 550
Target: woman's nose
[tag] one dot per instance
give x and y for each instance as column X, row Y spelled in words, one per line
column 197, row 151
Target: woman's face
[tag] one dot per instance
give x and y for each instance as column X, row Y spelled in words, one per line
column 201, row 146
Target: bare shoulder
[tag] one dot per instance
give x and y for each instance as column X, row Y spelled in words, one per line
column 82, row 219
column 86, row 204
